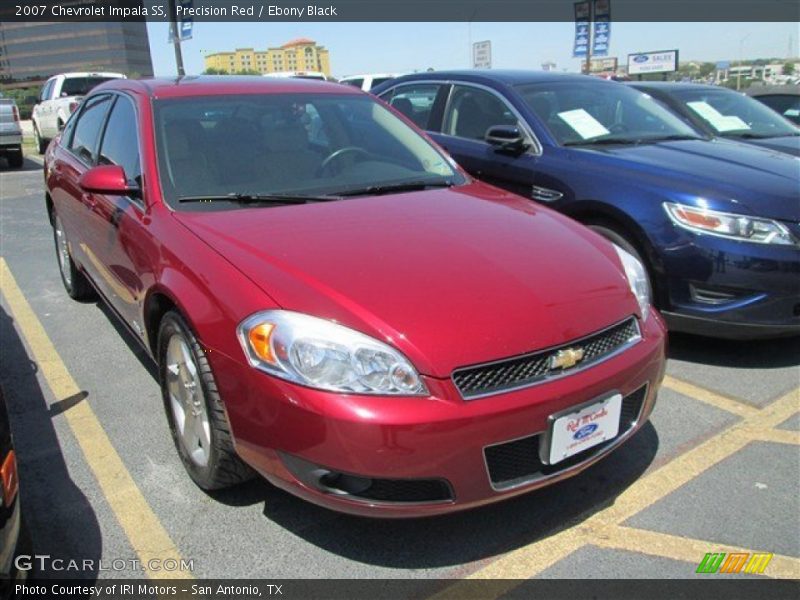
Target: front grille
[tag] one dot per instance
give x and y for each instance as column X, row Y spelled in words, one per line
column 517, row 462
column 388, row 490
column 407, row 490
column 495, row 377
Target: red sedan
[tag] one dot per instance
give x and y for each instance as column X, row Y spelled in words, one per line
column 334, row 304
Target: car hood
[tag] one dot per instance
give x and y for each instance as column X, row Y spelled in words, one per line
column 450, row 277
column 753, row 180
column 788, row 144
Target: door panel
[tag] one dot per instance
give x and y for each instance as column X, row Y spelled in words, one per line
column 117, row 223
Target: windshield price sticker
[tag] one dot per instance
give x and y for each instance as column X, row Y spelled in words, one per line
column 584, row 124
column 718, row 121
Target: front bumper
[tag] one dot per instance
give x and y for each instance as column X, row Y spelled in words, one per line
column 297, row 437
column 728, row 289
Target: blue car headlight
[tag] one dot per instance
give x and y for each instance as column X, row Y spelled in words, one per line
column 729, row 225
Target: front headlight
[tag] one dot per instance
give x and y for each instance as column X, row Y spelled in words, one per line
column 323, row 355
column 637, row 279
column 728, row 225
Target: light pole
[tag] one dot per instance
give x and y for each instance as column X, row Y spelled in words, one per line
column 176, row 39
column 739, row 70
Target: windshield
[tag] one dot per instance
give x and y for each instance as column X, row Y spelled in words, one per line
column 729, row 113
column 578, row 112
column 288, row 144
column 80, row 86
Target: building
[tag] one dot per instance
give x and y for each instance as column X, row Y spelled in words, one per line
column 298, row 55
column 30, row 52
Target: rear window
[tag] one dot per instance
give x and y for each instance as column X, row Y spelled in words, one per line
column 80, row 86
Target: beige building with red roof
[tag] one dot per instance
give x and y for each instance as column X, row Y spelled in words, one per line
column 301, row 54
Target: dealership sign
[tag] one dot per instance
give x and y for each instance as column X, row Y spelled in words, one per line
column 663, row 61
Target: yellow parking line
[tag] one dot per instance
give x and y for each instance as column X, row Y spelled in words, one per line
column 147, row 536
column 779, row 436
column 688, row 549
column 530, row 560
column 708, row 397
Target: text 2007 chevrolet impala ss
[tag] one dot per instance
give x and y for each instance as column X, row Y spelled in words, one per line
column 334, row 304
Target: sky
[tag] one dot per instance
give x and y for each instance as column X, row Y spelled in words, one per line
column 404, row 47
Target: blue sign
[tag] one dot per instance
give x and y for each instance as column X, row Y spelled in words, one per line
column 582, row 15
column 602, row 28
column 184, row 24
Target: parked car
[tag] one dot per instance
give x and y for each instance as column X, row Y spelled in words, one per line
column 59, row 97
column 10, row 133
column 368, row 81
column 14, row 539
column 722, row 112
column 716, row 222
column 783, row 99
column 350, row 316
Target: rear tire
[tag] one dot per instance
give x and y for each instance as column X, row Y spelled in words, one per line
column 15, row 158
column 195, row 411
column 75, row 282
column 41, row 144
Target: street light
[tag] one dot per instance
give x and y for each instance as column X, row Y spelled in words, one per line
column 739, row 70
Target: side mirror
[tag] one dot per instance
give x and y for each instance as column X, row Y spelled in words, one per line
column 506, row 137
column 108, row 179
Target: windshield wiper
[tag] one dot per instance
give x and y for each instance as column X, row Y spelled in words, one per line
column 632, row 141
column 760, row 136
column 391, row 188
column 243, row 198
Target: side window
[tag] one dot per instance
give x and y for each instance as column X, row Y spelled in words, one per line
column 46, row 90
column 415, row 101
column 472, row 111
column 87, row 128
column 120, row 144
column 354, row 82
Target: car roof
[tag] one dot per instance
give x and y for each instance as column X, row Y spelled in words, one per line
column 668, row 86
column 768, row 90
column 505, row 76
column 212, row 85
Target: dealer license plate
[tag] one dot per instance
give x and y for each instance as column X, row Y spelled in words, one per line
column 577, row 431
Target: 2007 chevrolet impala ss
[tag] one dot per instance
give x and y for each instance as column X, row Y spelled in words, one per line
column 334, row 304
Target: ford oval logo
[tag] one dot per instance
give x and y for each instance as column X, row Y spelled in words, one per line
column 585, row 431
column 641, row 58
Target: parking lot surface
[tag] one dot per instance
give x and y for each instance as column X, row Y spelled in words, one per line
column 716, row 470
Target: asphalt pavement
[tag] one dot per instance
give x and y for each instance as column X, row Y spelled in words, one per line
column 716, row 470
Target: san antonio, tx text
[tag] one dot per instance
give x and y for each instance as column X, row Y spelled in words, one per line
column 60, row 589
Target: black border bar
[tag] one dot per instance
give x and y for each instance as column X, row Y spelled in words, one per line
column 646, row 11
column 730, row 587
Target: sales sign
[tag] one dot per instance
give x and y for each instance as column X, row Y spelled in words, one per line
column 663, row 61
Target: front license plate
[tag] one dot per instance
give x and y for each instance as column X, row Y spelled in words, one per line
column 584, row 428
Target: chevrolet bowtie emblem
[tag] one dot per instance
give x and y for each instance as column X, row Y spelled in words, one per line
column 566, row 358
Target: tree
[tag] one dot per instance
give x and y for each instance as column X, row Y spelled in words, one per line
column 788, row 69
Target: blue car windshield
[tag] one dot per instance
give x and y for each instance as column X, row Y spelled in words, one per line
column 592, row 112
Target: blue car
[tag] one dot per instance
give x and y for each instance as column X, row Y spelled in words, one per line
column 715, row 222
column 718, row 111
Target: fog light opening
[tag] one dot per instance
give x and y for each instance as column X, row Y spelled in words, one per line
column 339, row 483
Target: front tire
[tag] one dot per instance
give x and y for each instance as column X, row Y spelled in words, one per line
column 38, row 141
column 195, row 411
column 75, row 282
